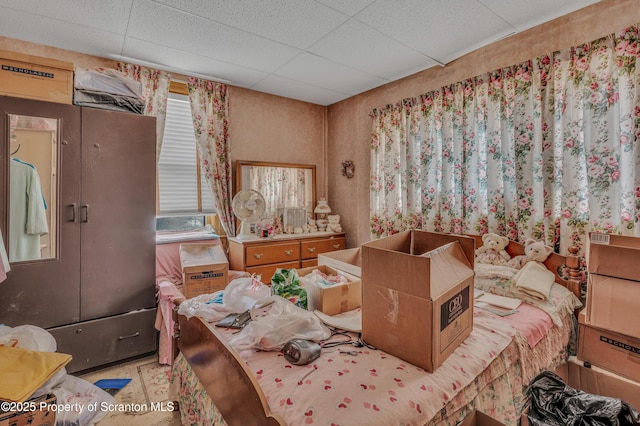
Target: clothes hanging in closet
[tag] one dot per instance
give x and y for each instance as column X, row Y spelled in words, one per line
column 4, row 260
column 27, row 214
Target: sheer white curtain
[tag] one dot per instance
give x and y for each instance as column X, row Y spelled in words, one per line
column 546, row 149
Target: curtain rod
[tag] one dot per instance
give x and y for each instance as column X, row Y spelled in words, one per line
column 167, row 68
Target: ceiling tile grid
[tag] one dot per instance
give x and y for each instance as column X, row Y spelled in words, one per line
column 318, row 51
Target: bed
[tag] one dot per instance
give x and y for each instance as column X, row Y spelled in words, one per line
column 489, row 371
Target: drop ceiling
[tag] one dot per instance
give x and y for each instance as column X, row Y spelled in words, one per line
column 318, row 51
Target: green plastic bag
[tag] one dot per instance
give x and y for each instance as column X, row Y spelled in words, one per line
column 286, row 283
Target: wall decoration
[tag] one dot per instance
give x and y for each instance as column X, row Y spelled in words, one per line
column 348, row 169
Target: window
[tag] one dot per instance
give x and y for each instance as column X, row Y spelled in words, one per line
column 183, row 192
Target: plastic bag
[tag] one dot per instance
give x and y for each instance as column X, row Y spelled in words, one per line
column 205, row 306
column 242, row 293
column 286, row 283
column 554, row 403
column 74, row 390
column 275, row 321
column 28, row 337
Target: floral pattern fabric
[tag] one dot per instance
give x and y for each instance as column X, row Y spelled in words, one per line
column 547, row 149
column 155, row 91
column 489, row 370
column 210, row 109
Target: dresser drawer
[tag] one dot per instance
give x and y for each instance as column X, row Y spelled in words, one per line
column 310, row 249
column 267, row 271
column 105, row 340
column 272, row 253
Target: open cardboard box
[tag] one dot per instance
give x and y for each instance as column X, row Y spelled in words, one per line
column 349, row 260
column 614, row 256
column 417, row 295
column 336, row 299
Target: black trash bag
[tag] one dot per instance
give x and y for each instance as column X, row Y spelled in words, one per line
column 553, row 403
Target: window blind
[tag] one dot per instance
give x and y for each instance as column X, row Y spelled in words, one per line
column 177, row 166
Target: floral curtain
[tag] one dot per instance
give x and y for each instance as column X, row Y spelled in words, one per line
column 280, row 187
column 155, row 91
column 546, row 149
column 210, row 109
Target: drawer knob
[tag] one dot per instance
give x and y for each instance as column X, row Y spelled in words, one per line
column 79, row 331
column 336, row 246
column 258, row 255
column 311, row 249
column 288, row 252
column 136, row 334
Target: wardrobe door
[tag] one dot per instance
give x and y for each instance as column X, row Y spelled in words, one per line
column 117, row 213
column 40, row 153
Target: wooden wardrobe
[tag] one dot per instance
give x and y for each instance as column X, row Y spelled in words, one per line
column 94, row 287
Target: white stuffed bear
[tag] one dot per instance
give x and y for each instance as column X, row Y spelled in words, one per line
column 312, row 226
column 493, row 250
column 534, row 251
column 334, row 223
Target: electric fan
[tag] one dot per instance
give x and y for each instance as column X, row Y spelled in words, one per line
column 248, row 205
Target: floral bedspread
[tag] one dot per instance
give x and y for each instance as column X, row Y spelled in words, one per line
column 489, row 371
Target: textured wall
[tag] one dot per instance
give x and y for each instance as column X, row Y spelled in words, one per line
column 263, row 127
column 349, row 124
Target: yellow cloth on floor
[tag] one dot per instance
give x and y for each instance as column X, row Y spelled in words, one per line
column 22, row 371
column 534, row 280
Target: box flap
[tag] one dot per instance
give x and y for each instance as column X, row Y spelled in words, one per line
column 613, row 255
column 449, row 266
column 193, row 255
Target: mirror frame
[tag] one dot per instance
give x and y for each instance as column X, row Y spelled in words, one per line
column 311, row 167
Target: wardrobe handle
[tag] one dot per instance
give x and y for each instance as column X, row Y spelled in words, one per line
column 136, row 334
column 73, row 210
column 86, row 213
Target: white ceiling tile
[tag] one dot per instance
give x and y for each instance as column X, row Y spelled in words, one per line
column 317, row 71
column 350, row 7
column 524, row 14
column 297, row 23
column 50, row 32
column 320, row 51
column 189, row 62
column 111, row 16
column 190, row 33
column 435, row 27
column 296, row 90
column 370, row 51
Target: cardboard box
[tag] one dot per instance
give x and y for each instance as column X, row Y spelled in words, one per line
column 417, row 295
column 349, row 260
column 205, row 268
column 598, row 381
column 614, row 256
column 33, row 77
column 27, row 416
column 478, row 418
column 612, row 351
column 336, row 299
column 613, row 304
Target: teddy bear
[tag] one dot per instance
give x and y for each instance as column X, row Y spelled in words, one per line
column 493, row 250
column 534, row 251
column 312, row 226
column 334, row 223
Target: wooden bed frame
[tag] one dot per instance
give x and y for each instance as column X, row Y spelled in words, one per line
column 231, row 384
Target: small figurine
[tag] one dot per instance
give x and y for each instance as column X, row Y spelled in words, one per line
column 334, row 223
column 312, row 226
column 288, row 229
column 277, row 225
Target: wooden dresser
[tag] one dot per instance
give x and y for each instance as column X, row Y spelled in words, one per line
column 263, row 255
